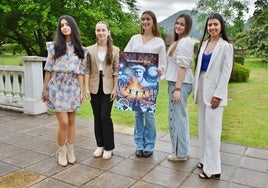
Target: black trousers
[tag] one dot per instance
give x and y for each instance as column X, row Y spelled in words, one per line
column 103, row 125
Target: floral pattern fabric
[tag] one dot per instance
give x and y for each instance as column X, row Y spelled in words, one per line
column 64, row 88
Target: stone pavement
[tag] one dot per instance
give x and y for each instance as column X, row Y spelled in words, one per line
column 27, row 159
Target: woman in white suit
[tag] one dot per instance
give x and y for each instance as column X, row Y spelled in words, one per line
column 213, row 68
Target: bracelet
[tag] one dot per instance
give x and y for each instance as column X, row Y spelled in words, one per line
column 176, row 89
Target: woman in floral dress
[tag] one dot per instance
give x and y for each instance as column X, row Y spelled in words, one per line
column 63, row 83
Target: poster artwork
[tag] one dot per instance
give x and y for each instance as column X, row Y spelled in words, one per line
column 137, row 82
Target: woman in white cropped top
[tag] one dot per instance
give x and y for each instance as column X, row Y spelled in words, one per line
column 180, row 83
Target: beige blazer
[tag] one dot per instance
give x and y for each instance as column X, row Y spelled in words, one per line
column 218, row 73
column 109, row 71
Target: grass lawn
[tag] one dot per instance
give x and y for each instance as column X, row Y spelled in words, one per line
column 245, row 119
column 10, row 59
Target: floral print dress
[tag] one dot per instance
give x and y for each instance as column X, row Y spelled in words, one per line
column 64, row 88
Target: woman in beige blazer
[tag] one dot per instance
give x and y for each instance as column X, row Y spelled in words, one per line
column 213, row 69
column 101, row 86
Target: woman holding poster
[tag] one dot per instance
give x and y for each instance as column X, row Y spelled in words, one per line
column 148, row 41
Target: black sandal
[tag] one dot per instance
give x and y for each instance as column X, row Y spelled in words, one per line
column 203, row 175
column 200, row 165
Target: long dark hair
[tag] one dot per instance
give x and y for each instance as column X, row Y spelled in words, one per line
column 109, row 55
column 60, row 40
column 188, row 27
column 206, row 36
column 156, row 31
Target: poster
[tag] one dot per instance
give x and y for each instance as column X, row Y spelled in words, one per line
column 137, row 82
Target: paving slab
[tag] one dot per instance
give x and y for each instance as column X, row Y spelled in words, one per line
column 28, row 147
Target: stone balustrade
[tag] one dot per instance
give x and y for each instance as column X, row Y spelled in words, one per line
column 21, row 86
column 12, row 87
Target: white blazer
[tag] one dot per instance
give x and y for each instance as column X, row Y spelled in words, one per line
column 218, row 73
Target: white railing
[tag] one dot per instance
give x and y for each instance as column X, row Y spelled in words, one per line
column 21, row 86
column 11, row 87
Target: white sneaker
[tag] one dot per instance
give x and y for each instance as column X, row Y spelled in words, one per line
column 98, row 152
column 107, row 154
column 171, row 158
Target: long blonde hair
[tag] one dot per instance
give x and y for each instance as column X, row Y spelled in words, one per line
column 188, row 28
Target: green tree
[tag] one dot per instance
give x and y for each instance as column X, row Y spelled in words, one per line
column 257, row 40
column 232, row 10
column 241, row 40
column 31, row 23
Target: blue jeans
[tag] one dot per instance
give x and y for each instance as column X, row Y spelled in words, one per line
column 145, row 131
column 178, row 120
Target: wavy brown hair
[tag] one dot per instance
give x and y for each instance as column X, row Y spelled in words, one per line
column 188, row 28
column 155, row 30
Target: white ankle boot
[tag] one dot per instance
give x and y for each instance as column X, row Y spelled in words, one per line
column 62, row 159
column 107, row 154
column 70, row 153
column 98, row 152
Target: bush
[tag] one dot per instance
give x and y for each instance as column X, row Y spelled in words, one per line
column 239, row 59
column 2, row 50
column 239, row 73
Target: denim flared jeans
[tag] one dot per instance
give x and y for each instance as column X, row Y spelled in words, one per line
column 178, row 120
column 145, row 131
